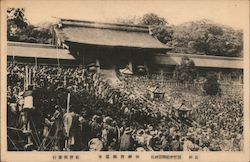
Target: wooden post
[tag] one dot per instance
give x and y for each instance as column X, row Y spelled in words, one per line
column 64, row 81
column 98, row 65
column 13, row 59
column 162, row 77
column 240, row 79
column 58, row 61
column 130, row 65
column 145, row 65
column 67, row 140
column 24, row 82
column 26, row 77
column 28, row 128
column 30, row 76
column 68, row 101
column 36, row 62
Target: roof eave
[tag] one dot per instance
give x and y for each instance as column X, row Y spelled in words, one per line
column 121, row 46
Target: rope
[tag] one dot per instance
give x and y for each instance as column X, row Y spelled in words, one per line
column 12, row 142
column 14, row 129
column 34, row 140
column 35, row 130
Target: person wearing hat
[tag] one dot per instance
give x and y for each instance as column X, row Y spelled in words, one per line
column 176, row 144
column 156, row 141
column 12, row 121
column 117, row 134
column 166, row 141
column 205, row 145
column 28, row 104
column 12, row 113
column 188, row 144
column 226, row 143
column 68, row 119
column 96, row 144
column 150, row 133
column 95, row 126
column 85, row 129
column 108, row 132
column 141, row 138
column 127, row 142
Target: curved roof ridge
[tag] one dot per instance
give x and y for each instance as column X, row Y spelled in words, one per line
column 108, row 23
column 103, row 25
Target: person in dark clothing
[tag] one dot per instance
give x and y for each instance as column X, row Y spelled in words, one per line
column 77, row 145
column 166, row 142
column 12, row 119
column 95, row 126
column 176, row 144
column 117, row 135
column 12, row 114
column 156, row 143
column 85, row 129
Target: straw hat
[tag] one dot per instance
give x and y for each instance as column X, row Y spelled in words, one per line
column 128, row 130
column 140, row 132
column 95, row 117
column 108, row 120
column 140, row 149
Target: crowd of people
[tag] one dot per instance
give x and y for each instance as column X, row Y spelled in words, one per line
column 222, row 116
column 76, row 109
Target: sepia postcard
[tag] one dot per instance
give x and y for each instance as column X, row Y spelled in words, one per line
column 125, row 80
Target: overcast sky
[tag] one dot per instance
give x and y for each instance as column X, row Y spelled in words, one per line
column 228, row 12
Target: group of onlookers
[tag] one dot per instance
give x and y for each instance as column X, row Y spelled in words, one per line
column 101, row 117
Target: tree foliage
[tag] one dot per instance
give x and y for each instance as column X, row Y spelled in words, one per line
column 206, row 37
column 159, row 27
column 212, row 86
column 199, row 37
column 186, row 71
column 153, row 19
column 20, row 30
column 196, row 37
column 16, row 18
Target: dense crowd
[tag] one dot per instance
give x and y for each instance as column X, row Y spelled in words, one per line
column 101, row 117
column 219, row 117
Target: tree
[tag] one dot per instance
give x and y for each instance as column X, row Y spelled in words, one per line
column 16, row 21
column 212, row 86
column 206, row 37
column 20, row 30
column 16, row 17
column 158, row 26
column 153, row 19
column 186, row 71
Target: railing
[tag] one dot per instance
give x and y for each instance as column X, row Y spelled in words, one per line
column 198, row 87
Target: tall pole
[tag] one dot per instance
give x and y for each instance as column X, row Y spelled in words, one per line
column 24, row 80
column 68, row 101
column 162, row 77
column 58, row 61
column 36, row 62
column 30, row 76
column 26, row 77
column 13, row 59
column 67, row 141
column 98, row 65
column 64, row 81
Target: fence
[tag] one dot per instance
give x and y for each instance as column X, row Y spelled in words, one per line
column 198, row 87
